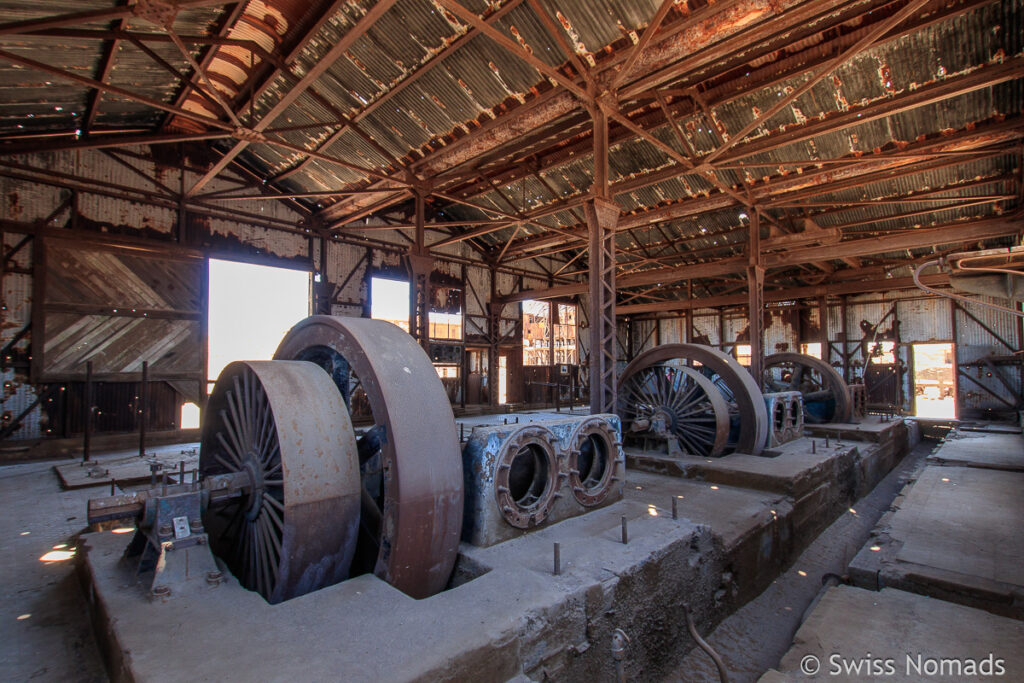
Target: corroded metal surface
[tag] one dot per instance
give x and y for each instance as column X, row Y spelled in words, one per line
column 282, row 424
column 677, row 402
column 528, row 476
column 419, row 497
column 748, row 416
column 593, row 462
column 826, row 398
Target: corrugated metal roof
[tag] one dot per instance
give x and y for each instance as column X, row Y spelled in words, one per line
column 480, row 81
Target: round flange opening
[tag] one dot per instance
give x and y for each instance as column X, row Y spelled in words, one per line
column 779, row 415
column 527, row 477
column 592, row 462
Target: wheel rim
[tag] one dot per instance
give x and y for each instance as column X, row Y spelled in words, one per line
column 826, row 398
column 736, row 386
column 412, row 467
column 294, row 529
column 697, row 414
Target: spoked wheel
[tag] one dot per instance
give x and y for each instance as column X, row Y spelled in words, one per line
column 688, row 403
column 826, row 398
column 745, row 405
column 412, row 492
column 284, row 426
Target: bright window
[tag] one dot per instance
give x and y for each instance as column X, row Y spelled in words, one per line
column 811, row 349
column 536, row 333
column 743, row 354
column 389, row 300
column 251, row 309
column 565, row 335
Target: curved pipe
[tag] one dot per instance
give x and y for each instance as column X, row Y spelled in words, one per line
column 723, row 675
column 950, row 295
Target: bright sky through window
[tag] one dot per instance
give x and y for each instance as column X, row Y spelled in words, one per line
column 251, row 309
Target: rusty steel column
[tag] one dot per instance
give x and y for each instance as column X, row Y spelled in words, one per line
column 494, row 309
column 143, row 407
column 755, row 289
column 826, row 351
column 602, row 215
column 420, row 266
column 843, row 331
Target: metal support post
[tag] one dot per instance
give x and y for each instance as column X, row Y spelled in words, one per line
column 143, row 408
column 87, row 438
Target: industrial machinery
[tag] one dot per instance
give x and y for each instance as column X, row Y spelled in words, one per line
column 522, row 476
column 412, row 497
column 287, row 497
column 692, row 399
column 278, row 498
column 786, row 414
column 825, row 394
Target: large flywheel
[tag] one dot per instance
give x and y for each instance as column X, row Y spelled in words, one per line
column 283, row 431
column 412, row 485
column 826, row 398
column 655, row 382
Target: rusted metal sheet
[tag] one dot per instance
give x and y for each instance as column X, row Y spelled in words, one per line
column 924, row 320
column 672, row 330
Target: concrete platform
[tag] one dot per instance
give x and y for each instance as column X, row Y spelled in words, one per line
column 991, row 450
column 855, row 635
column 954, row 534
column 126, row 468
column 741, row 520
column 507, row 614
column 515, row 617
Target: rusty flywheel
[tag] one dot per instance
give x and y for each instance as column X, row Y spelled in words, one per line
column 411, row 467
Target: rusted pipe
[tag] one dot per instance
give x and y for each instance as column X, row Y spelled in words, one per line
column 619, row 642
column 723, row 675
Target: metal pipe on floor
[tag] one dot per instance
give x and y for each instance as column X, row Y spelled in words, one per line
column 827, row 581
column 723, row 675
column 619, row 642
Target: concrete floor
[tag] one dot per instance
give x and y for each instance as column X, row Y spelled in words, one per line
column 45, row 634
column 938, row 579
column 855, row 635
column 955, row 533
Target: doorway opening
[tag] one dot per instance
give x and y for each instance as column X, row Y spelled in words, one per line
column 251, row 308
column 502, row 379
column 934, row 381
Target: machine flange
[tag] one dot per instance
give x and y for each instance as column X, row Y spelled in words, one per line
column 528, row 477
column 593, row 461
column 413, row 496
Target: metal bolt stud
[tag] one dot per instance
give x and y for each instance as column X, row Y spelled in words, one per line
column 558, row 559
column 625, row 532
